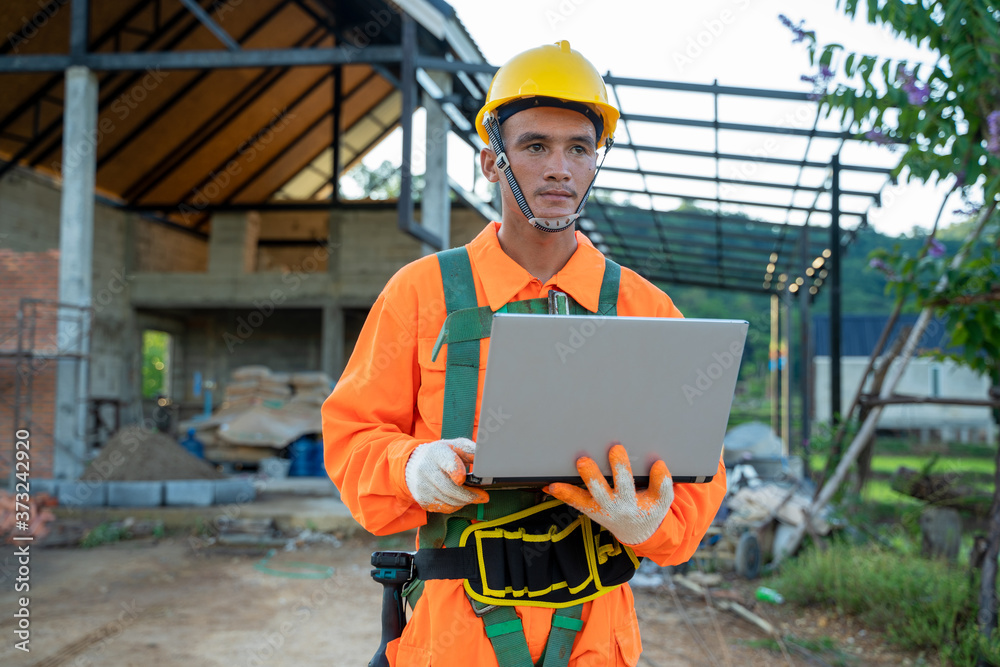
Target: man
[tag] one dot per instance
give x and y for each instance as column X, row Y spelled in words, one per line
column 545, row 118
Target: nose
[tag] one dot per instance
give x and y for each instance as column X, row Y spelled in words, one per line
column 557, row 168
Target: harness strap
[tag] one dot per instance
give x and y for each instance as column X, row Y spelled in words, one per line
column 506, row 634
column 566, row 624
column 462, row 367
column 607, row 303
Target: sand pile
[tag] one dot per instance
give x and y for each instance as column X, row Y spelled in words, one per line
column 135, row 454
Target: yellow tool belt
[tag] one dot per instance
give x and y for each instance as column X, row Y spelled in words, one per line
column 548, row 555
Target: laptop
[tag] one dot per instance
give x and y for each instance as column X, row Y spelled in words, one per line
column 559, row 387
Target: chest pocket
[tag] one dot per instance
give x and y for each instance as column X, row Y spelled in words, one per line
column 432, row 377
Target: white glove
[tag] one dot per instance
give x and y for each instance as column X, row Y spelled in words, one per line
column 435, row 472
column 630, row 516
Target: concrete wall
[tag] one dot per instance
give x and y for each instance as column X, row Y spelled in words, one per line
column 159, row 248
column 948, row 422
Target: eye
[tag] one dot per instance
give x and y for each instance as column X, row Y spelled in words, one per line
column 535, row 148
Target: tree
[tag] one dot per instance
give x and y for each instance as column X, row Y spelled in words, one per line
column 947, row 117
column 384, row 181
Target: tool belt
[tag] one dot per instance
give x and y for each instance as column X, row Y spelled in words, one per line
column 548, row 555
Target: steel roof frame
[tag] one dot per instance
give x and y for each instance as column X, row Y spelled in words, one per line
column 405, row 57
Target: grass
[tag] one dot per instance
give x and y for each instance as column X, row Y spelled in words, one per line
column 889, row 464
column 880, row 491
column 104, row 533
column 822, row 647
column 918, row 603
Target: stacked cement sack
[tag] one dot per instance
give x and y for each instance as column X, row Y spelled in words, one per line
column 310, row 387
column 253, row 385
column 262, row 413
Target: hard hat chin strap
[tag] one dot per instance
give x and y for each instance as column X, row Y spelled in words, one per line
column 503, row 164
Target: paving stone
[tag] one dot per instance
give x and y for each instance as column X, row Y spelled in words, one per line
column 190, row 492
column 234, row 490
column 40, row 486
column 83, row 494
column 135, row 494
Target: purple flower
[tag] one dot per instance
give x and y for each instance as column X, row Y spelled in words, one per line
column 879, row 265
column 826, row 72
column 936, row 249
column 917, row 93
column 993, row 132
column 879, row 137
column 796, row 28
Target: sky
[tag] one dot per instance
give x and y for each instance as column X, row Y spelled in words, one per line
column 736, row 42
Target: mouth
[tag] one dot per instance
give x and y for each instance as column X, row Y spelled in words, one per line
column 557, row 195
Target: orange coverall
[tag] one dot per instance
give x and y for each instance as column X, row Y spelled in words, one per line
column 389, row 401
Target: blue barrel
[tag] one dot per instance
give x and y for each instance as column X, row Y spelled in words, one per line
column 193, row 445
column 301, row 454
column 318, row 465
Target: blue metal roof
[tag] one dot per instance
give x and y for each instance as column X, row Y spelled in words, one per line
column 859, row 334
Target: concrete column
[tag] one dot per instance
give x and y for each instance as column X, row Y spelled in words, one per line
column 76, row 251
column 232, row 247
column 332, row 341
column 435, row 205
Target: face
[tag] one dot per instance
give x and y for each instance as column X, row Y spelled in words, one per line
column 553, row 154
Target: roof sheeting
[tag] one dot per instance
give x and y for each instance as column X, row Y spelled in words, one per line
column 203, row 138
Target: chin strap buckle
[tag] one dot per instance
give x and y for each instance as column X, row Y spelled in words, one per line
column 553, row 224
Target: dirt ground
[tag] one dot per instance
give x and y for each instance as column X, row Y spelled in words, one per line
column 175, row 602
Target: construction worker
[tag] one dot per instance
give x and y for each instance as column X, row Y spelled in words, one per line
column 397, row 446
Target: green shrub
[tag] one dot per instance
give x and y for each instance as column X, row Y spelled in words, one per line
column 919, row 603
column 105, row 533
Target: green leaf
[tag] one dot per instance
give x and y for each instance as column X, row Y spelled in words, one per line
column 959, row 335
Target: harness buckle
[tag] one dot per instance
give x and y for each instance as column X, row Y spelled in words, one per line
column 482, row 611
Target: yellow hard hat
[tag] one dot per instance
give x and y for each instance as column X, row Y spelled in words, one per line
column 552, row 70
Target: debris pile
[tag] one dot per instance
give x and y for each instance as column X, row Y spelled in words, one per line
column 137, row 454
column 37, row 509
column 767, row 501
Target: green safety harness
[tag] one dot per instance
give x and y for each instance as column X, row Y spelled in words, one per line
column 519, row 548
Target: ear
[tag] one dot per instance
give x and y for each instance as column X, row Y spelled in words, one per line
column 488, row 163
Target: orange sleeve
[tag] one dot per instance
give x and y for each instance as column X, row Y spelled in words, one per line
column 368, row 419
column 690, row 515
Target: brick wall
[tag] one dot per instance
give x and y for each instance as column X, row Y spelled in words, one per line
column 32, row 275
